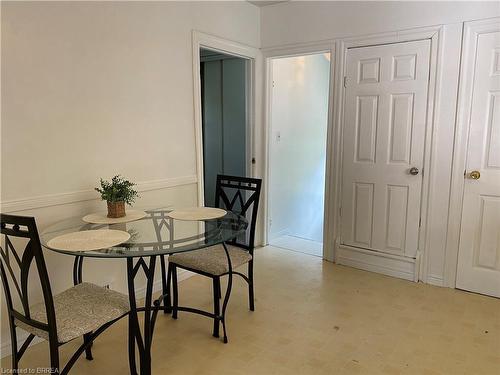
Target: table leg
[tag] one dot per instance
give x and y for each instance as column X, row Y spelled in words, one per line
column 77, row 270
column 78, row 279
column 141, row 342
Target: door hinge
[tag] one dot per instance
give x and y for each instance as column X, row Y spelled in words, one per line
column 273, row 83
column 340, row 211
column 345, row 81
column 253, row 160
column 419, row 222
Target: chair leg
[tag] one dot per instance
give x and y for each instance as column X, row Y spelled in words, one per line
column 131, row 346
column 165, row 282
column 13, row 339
column 175, row 293
column 88, row 350
column 15, row 362
column 217, row 296
column 250, row 286
column 54, row 357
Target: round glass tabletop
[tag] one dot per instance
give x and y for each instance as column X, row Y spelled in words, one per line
column 155, row 234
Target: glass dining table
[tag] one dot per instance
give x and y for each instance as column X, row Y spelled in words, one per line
column 154, row 236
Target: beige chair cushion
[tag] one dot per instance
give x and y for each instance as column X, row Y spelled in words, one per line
column 80, row 309
column 212, row 260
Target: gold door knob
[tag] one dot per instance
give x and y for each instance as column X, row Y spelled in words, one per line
column 475, row 175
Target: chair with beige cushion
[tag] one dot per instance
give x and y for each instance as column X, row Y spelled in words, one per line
column 240, row 195
column 84, row 310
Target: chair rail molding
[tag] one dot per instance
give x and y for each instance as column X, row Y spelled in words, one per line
column 16, row 205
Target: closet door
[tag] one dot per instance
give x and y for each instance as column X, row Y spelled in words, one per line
column 212, row 127
column 383, row 152
column 224, row 121
column 479, row 252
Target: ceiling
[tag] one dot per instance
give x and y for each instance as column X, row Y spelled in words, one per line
column 261, row 3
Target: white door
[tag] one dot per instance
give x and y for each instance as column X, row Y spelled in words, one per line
column 479, row 252
column 384, row 131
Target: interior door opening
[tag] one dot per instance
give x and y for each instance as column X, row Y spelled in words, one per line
column 297, row 151
column 224, row 102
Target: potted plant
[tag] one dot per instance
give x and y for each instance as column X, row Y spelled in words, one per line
column 116, row 193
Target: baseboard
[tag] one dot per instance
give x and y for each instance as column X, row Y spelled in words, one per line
column 6, row 347
column 283, row 232
column 368, row 260
column 435, row 280
column 31, row 203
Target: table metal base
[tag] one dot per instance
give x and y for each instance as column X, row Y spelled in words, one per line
column 138, row 342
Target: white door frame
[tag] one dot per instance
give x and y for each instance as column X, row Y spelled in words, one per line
column 471, row 32
column 399, row 264
column 269, row 54
column 229, row 47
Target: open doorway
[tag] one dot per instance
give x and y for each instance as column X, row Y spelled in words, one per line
column 297, row 151
column 224, row 104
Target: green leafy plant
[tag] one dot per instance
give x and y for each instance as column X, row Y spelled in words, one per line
column 117, row 190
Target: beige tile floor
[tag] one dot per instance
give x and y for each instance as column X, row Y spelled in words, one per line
column 313, row 317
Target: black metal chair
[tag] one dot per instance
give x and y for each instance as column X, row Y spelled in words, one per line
column 83, row 310
column 240, row 195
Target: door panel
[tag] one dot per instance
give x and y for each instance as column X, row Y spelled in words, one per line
column 479, row 253
column 363, row 208
column 385, row 119
column 397, row 205
column 487, row 250
column 493, row 137
column 401, row 128
column 366, row 132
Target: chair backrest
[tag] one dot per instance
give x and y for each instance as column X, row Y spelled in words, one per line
column 18, row 264
column 240, row 195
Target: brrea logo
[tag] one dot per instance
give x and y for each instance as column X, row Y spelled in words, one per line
column 37, row 370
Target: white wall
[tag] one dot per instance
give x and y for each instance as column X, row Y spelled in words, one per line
column 299, row 115
column 100, row 88
column 287, row 25
column 90, row 90
column 307, row 21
